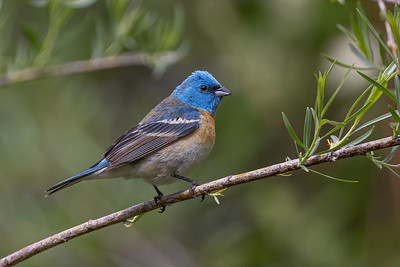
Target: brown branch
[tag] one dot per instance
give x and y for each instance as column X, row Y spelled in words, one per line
column 119, row 61
column 206, row 188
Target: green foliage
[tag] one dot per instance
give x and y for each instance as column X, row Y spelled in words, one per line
column 352, row 118
column 127, row 28
column 342, row 133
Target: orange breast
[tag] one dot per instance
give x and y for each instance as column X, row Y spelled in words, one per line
column 206, row 131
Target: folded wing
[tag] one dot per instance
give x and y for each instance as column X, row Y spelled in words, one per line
column 148, row 138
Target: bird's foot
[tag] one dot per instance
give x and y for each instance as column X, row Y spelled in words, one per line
column 158, row 197
column 194, row 185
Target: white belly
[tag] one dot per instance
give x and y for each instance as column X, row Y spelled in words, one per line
column 180, row 158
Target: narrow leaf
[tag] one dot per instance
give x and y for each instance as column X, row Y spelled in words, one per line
column 360, row 139
column 395, row 116
column 365, row 34
column 291, row 131
column 307, row 128
column 375, row 33
column 334, row 123
column 397, row 90
column 394, row 25
column 342, row 64
column 391, row 154
column 380, row 87
column 336, row 92
column 358, row 100
column 304, row 168
column 346, row 32
column 314, row 148
column 382, row 53
column 359, row 112
column 333, row 178
column 359, row 36
column 396, row 11
column 395, row 173
column 377, row 163
column 361, row 55
column 373, row 121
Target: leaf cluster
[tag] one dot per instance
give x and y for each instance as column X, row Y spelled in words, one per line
column 341, row 133
column 114, row 27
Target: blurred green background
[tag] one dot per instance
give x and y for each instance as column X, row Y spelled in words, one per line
column 266, row 53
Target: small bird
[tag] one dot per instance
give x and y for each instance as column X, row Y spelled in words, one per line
column 171, row 139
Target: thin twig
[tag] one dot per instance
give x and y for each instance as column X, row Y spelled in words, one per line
column 390, row 39
column 206, row 188
column 123, row 60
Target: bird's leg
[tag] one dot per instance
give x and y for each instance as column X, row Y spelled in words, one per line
column 158, row 197
column 193, row 182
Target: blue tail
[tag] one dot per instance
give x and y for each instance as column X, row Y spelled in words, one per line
column 79, row 177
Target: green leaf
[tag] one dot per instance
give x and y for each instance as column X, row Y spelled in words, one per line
column 365, row 34
column 307, row 127
column 391, row 154
column 360, row 55
column 291, row 131
column 314, row 148
column 358, row 101
column 375, row 33
column 395, row 116
column 334, row 123
column 397, row 90
column 380, row 87
column 333, row 178
column 373, row 121
column 396, row 11
column 346, row 32
column 359, row 112
column 304, row 168
column 358, row 33
column 342, row 64
column 395, row 173
column 319, row 101
column 336, row 92
column 382, row 53
column 395, row 127
column 360, row 139
column 377, row 163
column 389, row 72
column 394, row 25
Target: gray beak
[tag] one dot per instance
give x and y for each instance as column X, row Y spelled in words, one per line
column 222, row 91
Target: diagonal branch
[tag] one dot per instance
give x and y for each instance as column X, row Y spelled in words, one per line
column 228, row 181
column 96, row 64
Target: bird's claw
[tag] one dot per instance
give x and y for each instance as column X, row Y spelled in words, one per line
column 156, row 199
column 191, row 190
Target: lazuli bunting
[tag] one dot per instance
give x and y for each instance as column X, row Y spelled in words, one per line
column 171, row 139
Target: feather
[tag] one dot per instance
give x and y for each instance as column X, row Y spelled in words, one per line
column 78, row 177
column 147, row 138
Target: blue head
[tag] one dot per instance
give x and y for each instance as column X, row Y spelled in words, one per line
column 201, row 90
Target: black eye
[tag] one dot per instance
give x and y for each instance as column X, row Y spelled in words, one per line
column 203, row 88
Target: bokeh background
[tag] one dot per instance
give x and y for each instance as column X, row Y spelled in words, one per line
column 266, row 53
